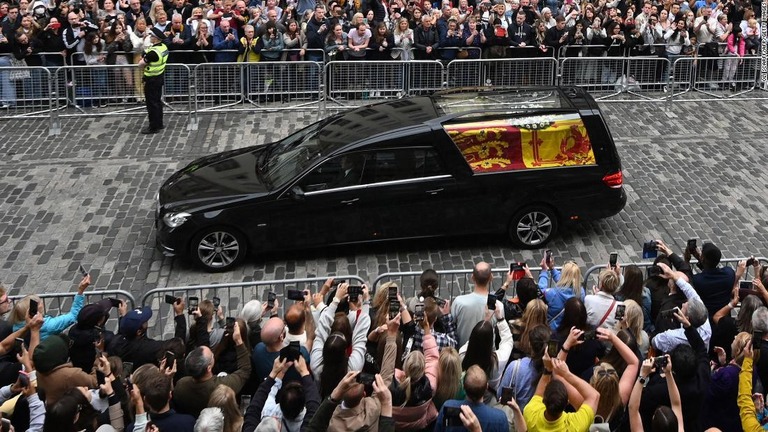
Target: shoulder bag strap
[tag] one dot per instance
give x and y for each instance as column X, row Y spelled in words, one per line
column 605, row 317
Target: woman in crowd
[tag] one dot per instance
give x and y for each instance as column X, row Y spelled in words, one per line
column 633, row 288
column 403, row 39
column 633, row 322
column 224, row 397
column 601, row 306
column 581, row 356
column 196, row 19
column 336, row 43
column 535, row 314
column 118, row 40
column 665, row 418
column 567, row 284
column 479, row 350
column 720, row 408
column 333, row 352
column 380, row 46
column 413, row 387
column 449, row 377
column 474, row 37
column 676, row 38
column 293, row 42
column 522, row 375
column 614, row 391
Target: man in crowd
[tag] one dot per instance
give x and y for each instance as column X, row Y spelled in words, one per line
column 475, row 385
column 426, row 40
column 225, row 39
column 469, row 309
column 153, row 66
column 265, row 353
column 694, row 311
column 193, row 391
column 133, row 345
column 714, row 284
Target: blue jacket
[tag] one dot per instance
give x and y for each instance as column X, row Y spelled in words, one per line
column 55, row 325
column 556, row 297
column 220, row 42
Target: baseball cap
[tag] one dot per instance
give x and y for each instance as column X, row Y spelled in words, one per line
column 133, row 320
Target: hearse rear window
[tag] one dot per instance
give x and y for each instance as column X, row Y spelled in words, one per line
column 520, row 143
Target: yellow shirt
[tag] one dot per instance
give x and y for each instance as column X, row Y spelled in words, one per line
column 570, row 422
column 747, row 410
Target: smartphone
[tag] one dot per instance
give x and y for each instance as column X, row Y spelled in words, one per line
column 291, row 352
column 6, row 424
column 392, row 294
column 620, row 309
column 170, row 357
column 297, row 295
column 127, row 369
column 100, row 377
column 82, row 270
column 115, row 302
column 660, row 362
column 24, row 378
column 750, row 262
column 440, row 302
column 745, row 285
column 170, row 299
column 506, row 395
column 230, row 322
column 418, row 312
column 394, row 308
column 552, row 348
column 588, row 335
column 669, row 313
column 612, row 260
column 193, row 303
column 366, row 380
column 216, row 302
column 32, row 307
column 18, row 345
column 517, row 269
column 491, row 302
column 691, row 246
column 548, row 255
column 649, row 249
column 271, row 297
column 128, row 384
column 354, row 292
column 451, row 417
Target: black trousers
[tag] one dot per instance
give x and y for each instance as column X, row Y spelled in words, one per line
column 153, row 91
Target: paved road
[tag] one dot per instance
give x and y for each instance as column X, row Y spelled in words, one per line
column 87, row 196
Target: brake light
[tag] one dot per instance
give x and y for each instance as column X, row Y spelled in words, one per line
column 614, row 180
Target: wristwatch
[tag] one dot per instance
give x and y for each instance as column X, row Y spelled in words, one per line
column 643, row 380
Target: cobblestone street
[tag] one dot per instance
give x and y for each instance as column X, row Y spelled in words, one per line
column 87, row 196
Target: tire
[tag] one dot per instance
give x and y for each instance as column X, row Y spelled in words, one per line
column 218, row 249
column 533, row 227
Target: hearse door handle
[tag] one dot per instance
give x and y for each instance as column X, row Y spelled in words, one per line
column 350, row 202
column 435, row 191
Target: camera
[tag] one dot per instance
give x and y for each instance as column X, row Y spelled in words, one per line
column 750, row 262
column 367, row 381
column 649, row 249
column 654, row 271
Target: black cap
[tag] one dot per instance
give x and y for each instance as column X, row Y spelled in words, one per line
column 157, row 33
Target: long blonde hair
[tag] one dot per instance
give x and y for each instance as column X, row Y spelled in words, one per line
column 224, row 397
column 633, row 319
column 605, row 380
column 413, row 367
column 21, row 307
column 535, row 314
column 448, row 374
column 570, row 277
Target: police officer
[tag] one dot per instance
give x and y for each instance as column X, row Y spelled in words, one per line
column 153, row 65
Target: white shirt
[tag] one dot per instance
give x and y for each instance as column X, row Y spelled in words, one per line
column 598, row 305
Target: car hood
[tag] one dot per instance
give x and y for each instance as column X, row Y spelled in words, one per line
column 215, row 178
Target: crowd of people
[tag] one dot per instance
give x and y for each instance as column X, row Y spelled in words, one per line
column 116, row 32
column 665, row 351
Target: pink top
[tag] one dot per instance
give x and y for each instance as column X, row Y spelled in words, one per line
column 732, row 49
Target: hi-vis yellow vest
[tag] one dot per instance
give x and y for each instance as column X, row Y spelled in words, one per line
column 157, row 67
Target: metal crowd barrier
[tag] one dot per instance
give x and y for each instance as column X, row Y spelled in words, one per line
column 233, row 296
column 591, row 275
column 452, row 283
column 61, row 303
column 72, row 91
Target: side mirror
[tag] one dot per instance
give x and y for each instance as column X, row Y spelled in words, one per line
column 297, row 193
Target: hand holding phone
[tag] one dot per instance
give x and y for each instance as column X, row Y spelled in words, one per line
column 32, row 308
column 193, row 304
column 613, row 259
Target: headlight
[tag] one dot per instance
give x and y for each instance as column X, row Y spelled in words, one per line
column 174, row 220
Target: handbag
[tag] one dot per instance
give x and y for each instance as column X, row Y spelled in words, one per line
column 19, row 74
column 462, row 54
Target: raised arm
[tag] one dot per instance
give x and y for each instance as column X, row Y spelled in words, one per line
column 674, row 395
column 749, row 422
column 591, row 396
column 359, row 337
column 630, row 373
